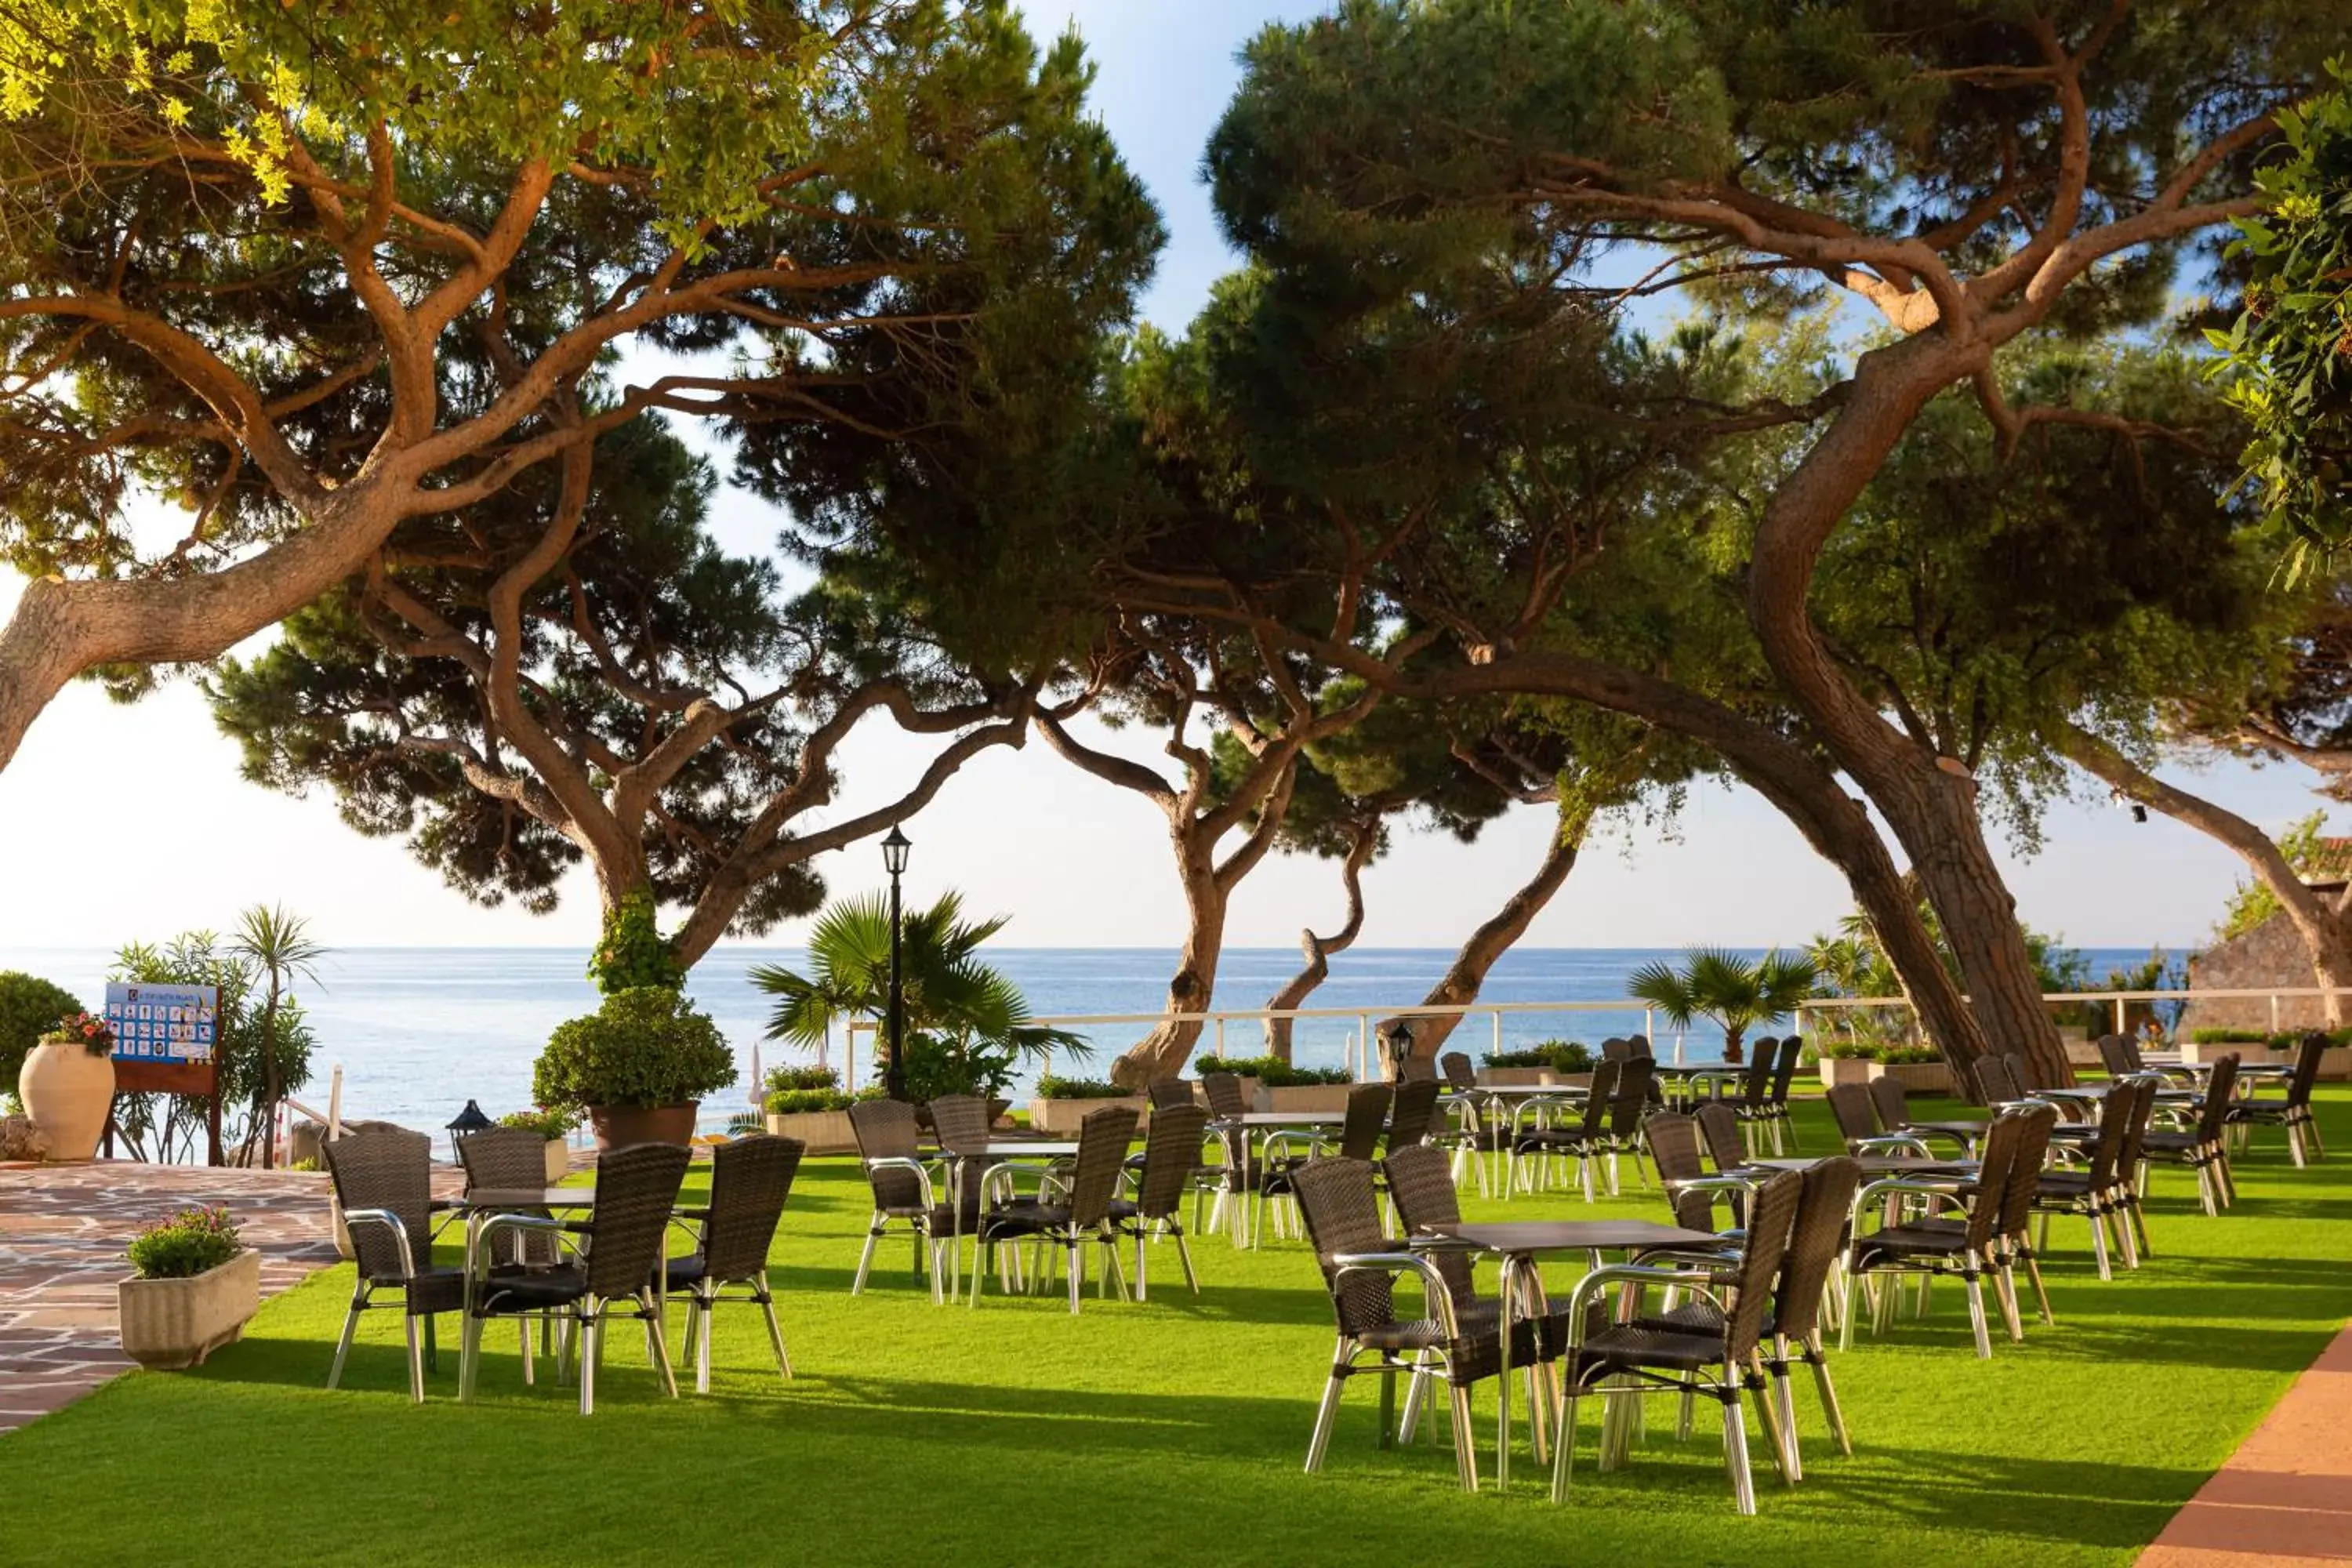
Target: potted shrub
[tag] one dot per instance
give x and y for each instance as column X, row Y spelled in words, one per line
column 637, row 1067
column 1547, row 1064
column 807, row 1103
column 1845, row 1059
column 68, row 1085
column 193, row 1290
column 1062, row 1103
column 553, row 1126
column 1920, row 1069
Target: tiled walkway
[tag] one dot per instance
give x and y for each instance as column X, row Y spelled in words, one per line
column 62, row 1232
column 2285, row 1499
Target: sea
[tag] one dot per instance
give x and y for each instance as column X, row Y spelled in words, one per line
column 419, row 1031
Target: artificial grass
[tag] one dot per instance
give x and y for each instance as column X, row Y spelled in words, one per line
column 1174, row 1431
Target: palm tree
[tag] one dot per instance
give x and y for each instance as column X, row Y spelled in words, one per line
column 281, row 944
column 968, row 1009
column 1724, row 986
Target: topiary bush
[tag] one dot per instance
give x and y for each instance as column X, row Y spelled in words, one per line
column 646, row 1047
column 29, row 1007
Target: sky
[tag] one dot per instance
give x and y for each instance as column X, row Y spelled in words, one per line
column 120, row 824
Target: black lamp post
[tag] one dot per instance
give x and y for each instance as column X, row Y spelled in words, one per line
column 894, row 859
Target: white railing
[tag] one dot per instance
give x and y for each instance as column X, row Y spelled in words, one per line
column 1361, row 1062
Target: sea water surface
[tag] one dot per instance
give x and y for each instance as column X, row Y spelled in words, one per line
column 418, row 1031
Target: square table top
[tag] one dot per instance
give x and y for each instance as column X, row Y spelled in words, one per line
column 1879, row 1165
column 1282, row 1118
column 506, row 1199
column 1013, row 1148
column 1525, row 1237
column 1960, row 1127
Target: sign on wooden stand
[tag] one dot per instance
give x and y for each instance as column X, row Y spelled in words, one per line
column 165, row 1040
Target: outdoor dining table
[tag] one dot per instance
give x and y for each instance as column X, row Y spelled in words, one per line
column 1680, row 1082
column 482, row 1203
column 1237, row 1134
column 1969, row 1131
column 1487, row 1102
column 1520, row 1245
column 1877, row 1165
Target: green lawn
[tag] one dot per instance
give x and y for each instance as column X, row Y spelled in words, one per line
column 1174, row 1431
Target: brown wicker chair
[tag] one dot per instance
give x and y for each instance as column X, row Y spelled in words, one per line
column 889, row 1144
column 1926, row 1248
column 510, row 1159
column 1341, row 1211
column 1168, row 1093
column 750, row 1180
column 1360, row 1139
column 1721, row 1364
column 1461, row 1076
column 2014, row 1243
column 1083, row 1213
column 2292, row 1112
column 2119, row 1054
column 2091, row 1191
column 384, row 1183
column 1756, row 1088
column 2204, row 1148
column 637, row 1189
column 1997, row 1082
column 1629, row 1105
column 1413, row 1112
column 1172, row 1157
column 1585, row 1142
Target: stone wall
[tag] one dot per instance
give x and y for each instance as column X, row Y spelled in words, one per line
column 2271, row 954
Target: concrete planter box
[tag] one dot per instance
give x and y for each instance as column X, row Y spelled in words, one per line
column 1515, row 1077
column 1308, row 1096
column 558, row 1160
column 824, row 1131
column 1836, row 1070
column 1916, row 1078
column 168, row 1324
column 1063, row 1117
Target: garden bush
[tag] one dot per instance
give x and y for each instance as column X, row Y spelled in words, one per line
column 29, row 1007
column 1053, row 1087
column 189, row 1243
column 645, row 1047
column 1271, row 1071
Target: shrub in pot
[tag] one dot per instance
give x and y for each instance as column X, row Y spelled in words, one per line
column 1062, row 1104
column 638, row 1066
column 193, row 1290
column 553, row 1126
column 68, row 1085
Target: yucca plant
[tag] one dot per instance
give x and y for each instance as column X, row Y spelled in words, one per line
column 1735, row 991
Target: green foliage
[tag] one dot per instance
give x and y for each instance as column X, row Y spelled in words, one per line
column 2250, row 904
column 1737, row 993
column 2288, row 356
column 256, row 1046
column 633, row 954
column 29, row 1006
column 1854, row 1046
column 789, row 1090
column 968, row 1025
column 189, row 1243
column 90, row 1031
column 1052, row 1087
column 643, row 1047
column 1560, row 1055
column 1271, row 1071
column 550, row 1123
column 2279, row 1040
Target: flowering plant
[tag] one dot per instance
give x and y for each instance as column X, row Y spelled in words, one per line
column 193, row 1241
column 88, row 1030
column 549, row 1124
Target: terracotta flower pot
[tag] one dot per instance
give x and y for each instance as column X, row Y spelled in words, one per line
column 172, row 1323
column 66, row 1092
column 618, row 1126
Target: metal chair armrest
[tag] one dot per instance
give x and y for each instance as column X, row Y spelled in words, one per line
column 354, row 1218
column 918, row 1169
column 1698, row 1282
column 1433, row 1283
column 1905, row 1141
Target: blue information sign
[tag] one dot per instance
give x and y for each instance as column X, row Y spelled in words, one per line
column 162, row 1023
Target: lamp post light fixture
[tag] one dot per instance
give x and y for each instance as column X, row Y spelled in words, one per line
column 894, row 860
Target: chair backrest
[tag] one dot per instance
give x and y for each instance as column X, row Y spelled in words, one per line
column 1771, row 1215
column 1892, row 1106
column 2021, row 1068
column 1412, row 1110
column 1997, row 1081
column 1416, row 1068
column 750, row 1180
column 1342, row 1213
column 885, row 1130
column 2308, row 1053
column 1817, row 1233
column 1851, row 1109
column 1103, row 1140
column 637, row 1189
column 1791, row 1049
column 1718, row 1124
column 1223, row 1091
column 1600, row 1096
column 1368, row 1117
column 1632, row 1095
column 1615, row 1050
column 389, row 1169
column 2144, row 1086
column 508, row 1157
column 1460, row 1074
column 2221, row 1089
column 1639, row 1045
column 1420, row 1183
column 1673, row 1146
column 2114, row 1124
column 961, row 1123
column 2032, row 1150
column 2119, row 1054
column 1169, row 1093
column 1172, row 1152
column 1762, row 1056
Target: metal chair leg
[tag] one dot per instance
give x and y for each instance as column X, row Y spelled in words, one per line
column 1828, row 1391
column 702, row 1309
column 660, row 1339
column 343, row 1344
column 1465, row 1439
column 415, row 1360
column 866, row 1259
column 469, row 1358
column 1327, row 1413
column 1735, row 1455
column 592, row 1350
column 1977, row 1323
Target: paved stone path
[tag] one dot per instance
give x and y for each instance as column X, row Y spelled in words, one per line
column 62, row 1232
column 2285, row 1499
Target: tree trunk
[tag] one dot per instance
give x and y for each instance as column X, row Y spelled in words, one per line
column 1164, row 1052
column 1931, row 808
column 269, row 1077
column 1493, row 937
column 1319, row 948
column 2321, row 928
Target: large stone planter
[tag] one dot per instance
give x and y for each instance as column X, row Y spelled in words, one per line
column 1916, row 1078
column 66, row 1093
column 1516, row 1077
column 168, row 1324
column 824, row 1131
column 1836, row 1070
column 558, row 1160
column 1308, row 1096
column 1063, row 1117
column 618, row 1126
